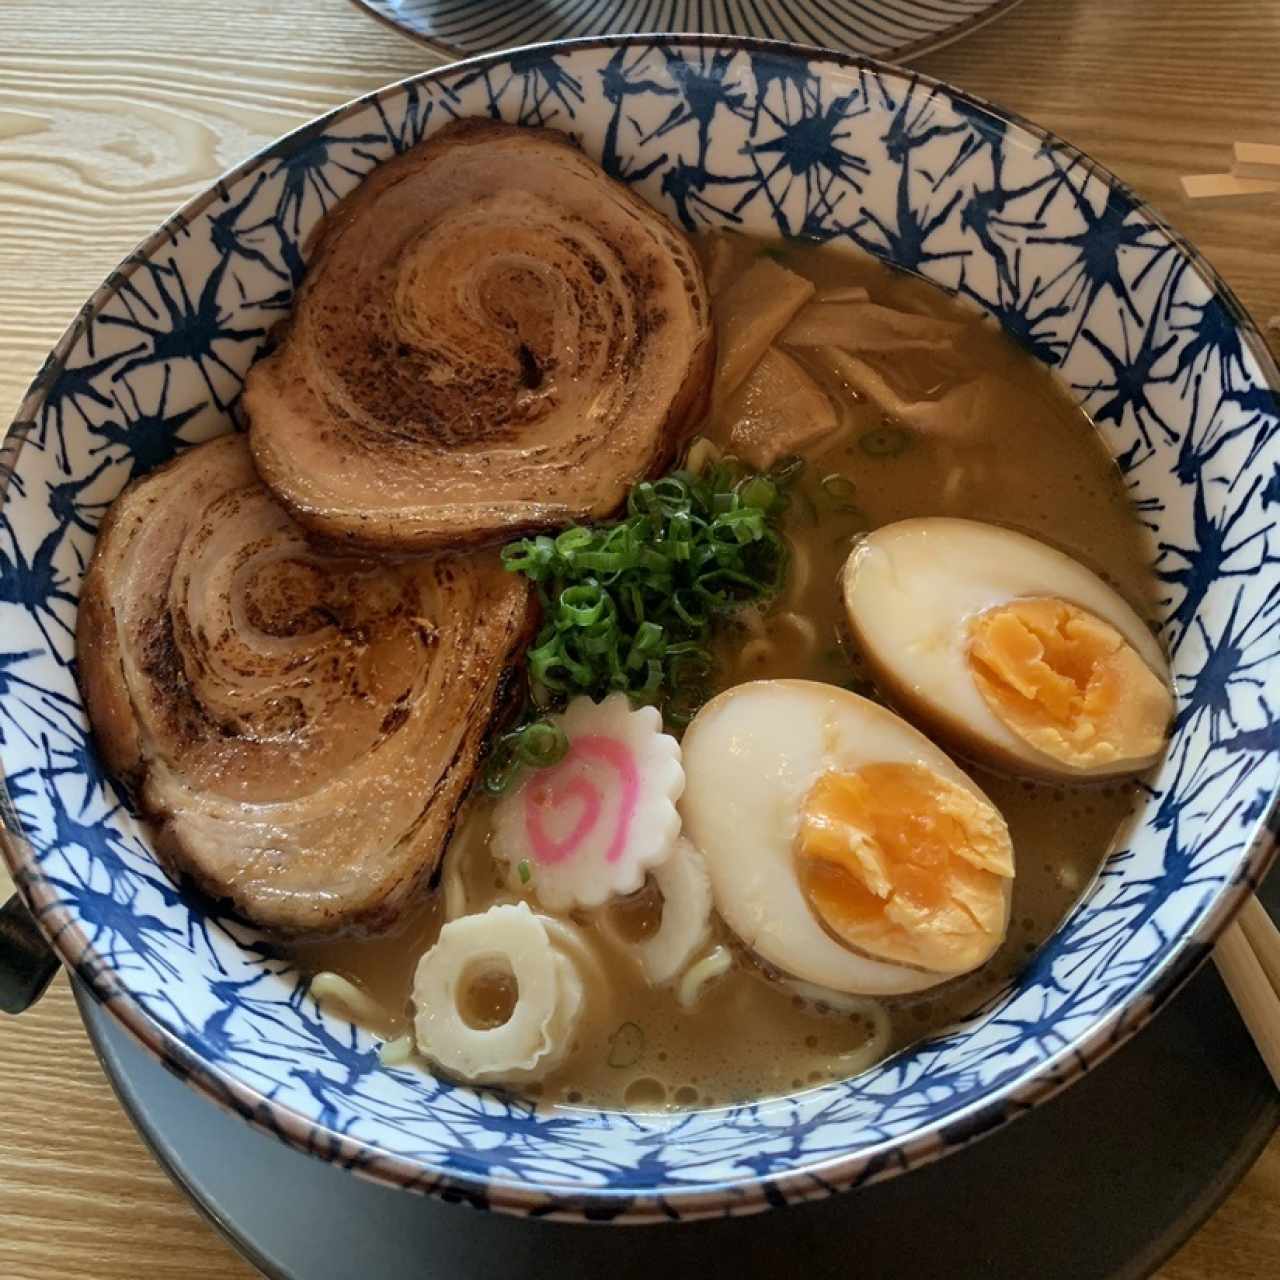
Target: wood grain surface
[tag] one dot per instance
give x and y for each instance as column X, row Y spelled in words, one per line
column 114, row 111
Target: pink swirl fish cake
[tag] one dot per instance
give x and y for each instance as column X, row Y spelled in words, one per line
column 592, row 826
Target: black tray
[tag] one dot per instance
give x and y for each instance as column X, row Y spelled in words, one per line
column 1106, row 1180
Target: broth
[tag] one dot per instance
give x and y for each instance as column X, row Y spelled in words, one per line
column 1037, row 465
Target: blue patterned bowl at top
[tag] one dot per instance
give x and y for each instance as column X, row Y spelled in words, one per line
column 895, row 29
column 778, row 140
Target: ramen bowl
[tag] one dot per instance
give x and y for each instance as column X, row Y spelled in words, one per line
column 781, row 141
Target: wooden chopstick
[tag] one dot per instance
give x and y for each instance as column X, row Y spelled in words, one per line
column 1251, row 971
column 1256, row 160
column 1254, row 176
column 1263, row 937
column 1207, row 188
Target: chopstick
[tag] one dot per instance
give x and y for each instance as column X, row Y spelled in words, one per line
column 1248, row 958
column 1210, row 188
column 1263, row 937
column 1256, row 160
column 1254, row 176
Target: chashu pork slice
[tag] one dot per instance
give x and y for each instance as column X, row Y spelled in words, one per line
column 301, row 727
column 493, row 337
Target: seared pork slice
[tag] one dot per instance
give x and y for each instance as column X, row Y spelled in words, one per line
column 302, row 728
column 493, row 337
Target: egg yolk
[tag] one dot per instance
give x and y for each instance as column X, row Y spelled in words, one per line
column 905, row 866
column 1068, row 684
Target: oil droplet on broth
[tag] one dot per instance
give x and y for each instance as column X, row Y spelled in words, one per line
column 645, row 1094
column 487, row 998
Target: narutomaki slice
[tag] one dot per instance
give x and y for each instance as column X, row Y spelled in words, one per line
column 494, row 337
column 301, row 727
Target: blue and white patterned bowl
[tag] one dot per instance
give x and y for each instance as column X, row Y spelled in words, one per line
column 774, row 139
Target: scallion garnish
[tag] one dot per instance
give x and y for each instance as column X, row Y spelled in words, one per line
column 537, row 743
column 786, row 469
column 838, row 488
column 501, row 768
column 629, row 605
column 540, row 744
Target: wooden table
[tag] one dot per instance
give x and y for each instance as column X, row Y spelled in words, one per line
column 112, row 112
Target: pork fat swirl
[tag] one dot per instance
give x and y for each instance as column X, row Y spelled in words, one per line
column 494, row 337
column 301, row 727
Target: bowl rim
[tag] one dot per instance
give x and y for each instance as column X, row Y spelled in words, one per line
column 738, row 1195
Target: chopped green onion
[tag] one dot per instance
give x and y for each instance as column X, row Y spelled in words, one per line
column 702, row 453
column 537, row 744
column 641, row 500
column 532, row 557
column 572, row 540
column 786, row 469
column 501, row 769
column 524, row 871
column 838, row 488
column 885, row 441
column 629, row 605
column 648, row 640
column 684, row 704
column 672, row 495
column 758, row 492
column 583, row 604
column 688, row 610
column 692, row 662
column 727, row 472
column 541, row 744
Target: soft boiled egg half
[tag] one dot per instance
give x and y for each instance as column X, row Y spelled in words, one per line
column 1008, row 649
column 843, row 847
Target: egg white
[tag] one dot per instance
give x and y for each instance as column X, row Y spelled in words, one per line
column 911, row 588
column 751, row 756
